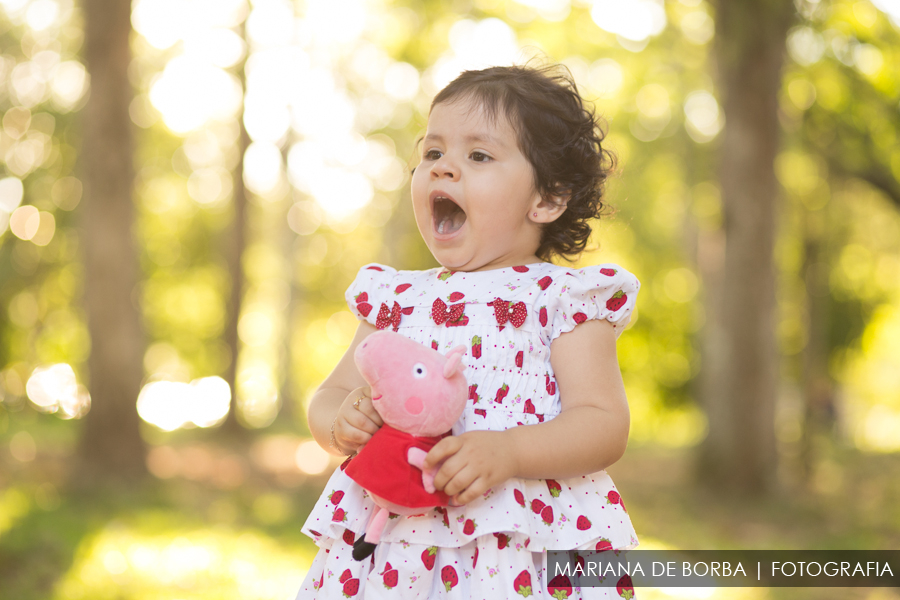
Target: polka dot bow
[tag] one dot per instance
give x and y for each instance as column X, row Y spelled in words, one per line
column 505, row 311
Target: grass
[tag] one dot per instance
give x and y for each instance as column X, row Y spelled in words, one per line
column 195, row 535
column 851, row 502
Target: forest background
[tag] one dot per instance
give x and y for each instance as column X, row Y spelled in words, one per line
column 187, row 187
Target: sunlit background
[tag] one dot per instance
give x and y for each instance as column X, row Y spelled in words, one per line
column 332, row 95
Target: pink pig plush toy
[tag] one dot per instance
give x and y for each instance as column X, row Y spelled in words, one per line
column 419, row 394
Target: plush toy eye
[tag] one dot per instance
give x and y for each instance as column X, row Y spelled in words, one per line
column 419, row 371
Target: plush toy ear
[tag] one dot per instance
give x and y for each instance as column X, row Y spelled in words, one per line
column 454, row 362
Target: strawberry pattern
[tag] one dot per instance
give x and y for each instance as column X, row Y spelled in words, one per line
column 507, row 319
column 490, row 566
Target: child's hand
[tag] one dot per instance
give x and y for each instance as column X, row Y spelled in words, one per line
column 356, row 421
column 472, row 463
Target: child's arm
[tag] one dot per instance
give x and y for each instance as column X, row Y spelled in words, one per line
column 587, row 436
column 333, row 403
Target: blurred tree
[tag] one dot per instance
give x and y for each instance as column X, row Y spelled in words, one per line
column 111, row 446
column 818, row 384
column 839, row 109
column 741, row 358
column 235, row 242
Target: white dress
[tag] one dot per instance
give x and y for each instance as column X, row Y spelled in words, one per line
column 494, row 545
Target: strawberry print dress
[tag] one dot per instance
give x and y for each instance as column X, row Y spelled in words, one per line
column 495, row 546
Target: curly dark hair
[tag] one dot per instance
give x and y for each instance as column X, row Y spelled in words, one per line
column 559, row 134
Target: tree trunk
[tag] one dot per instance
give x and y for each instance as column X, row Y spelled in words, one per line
column 741, row 358
column 286, row 241
column 111, row 446
column 818, row 388
column 235, row 243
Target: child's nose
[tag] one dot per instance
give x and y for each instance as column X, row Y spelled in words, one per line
column 444, row 167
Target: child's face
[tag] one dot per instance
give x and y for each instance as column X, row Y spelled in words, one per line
column 473, row 192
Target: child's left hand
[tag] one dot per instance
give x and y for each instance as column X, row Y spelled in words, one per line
column 473, row 462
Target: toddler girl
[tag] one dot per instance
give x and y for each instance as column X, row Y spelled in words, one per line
column 511, row 174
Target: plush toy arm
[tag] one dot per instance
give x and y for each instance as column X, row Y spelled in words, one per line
column 416, row 457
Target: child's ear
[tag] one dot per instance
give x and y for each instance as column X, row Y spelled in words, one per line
column 547, row 209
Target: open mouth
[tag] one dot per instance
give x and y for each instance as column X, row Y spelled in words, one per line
column 448, row 217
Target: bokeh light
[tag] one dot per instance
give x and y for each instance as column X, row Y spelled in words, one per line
column 605, row 77
column 16, row 122
column 68, row 82
column 22, row 447
column 221, row 47
column 704, row 119
column 891, row 8
column 210, row 186
column 335, row 22
column 635, row 20
column 401, row 81
column 474, row 45
column 171, row 405
column 11, row 193
column 258, row 398
column 263, row 168
column 653, row 104
column 698, row 27
column 190, row 92
column 255, row 328
column 311, row 458
column 163, row 23
column 271, row 23
column 24, row 222
column 54, row 389
column 805, row 45
column 551, row 10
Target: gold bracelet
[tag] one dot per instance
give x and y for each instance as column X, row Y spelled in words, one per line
column 333, row 442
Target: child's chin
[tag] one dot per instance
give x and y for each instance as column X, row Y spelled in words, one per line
column 448, row 257
column 449, row 262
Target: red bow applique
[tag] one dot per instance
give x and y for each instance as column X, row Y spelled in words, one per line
column 391, row 316
column 505, row 310
column 442, row 314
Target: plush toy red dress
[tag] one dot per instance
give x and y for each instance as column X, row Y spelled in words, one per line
column 382, row 468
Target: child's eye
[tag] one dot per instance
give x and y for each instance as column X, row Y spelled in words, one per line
column 433, row 155
column 480, row 157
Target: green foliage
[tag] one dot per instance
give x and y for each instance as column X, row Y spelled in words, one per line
column 841, row 124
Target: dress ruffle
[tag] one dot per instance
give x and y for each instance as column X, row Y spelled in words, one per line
column 551, row 514
column 489, row 567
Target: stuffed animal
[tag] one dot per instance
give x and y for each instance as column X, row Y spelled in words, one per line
column 419, row 394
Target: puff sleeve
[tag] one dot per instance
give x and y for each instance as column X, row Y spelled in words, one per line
column 369, row 290
column 604, row 291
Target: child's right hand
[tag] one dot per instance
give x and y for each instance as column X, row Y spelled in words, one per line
column 356, row 421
